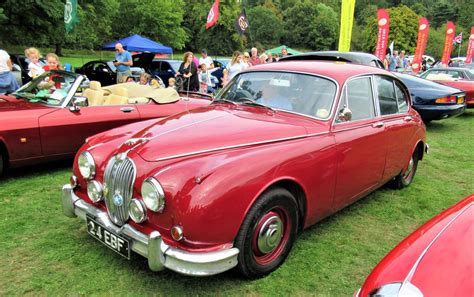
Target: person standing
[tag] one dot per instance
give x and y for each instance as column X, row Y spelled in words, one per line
column 254, row 59
column 8, row 82
column 270, row 58
column 205, row 59
column 188, row 71
column 233, row 67
column 123, row 61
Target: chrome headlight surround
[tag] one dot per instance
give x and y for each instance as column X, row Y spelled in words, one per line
column 95, row 191
column 137, row 211
column 86, row 165
column 153, row 195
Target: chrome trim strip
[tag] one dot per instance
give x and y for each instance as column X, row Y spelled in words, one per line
column 409, row 276
column 152, row 247
column 241, row 145
column 71, row 93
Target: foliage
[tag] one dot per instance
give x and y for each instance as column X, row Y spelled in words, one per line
column 403, row 30
column 442, row 11
column 44, row 253
column 155, row 21
column 266, row 28
column 310, row 26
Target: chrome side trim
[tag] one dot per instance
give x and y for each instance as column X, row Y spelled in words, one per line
column 152, row 247
column 242, row 145
column 73, row 90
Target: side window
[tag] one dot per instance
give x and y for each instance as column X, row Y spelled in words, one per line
column 387, row 98
column 358, row 99
column 402, row 98
column 165, row 66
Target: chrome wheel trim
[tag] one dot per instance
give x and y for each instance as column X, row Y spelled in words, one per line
column 409, row 170
column 270, row 234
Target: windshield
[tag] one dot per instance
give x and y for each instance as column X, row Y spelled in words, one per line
column 51, row 88
column 300, row 93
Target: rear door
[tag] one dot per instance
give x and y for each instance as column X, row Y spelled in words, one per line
column 64, row 131
column 361, row 142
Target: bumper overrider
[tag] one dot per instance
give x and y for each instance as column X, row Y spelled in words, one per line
column 159, row 254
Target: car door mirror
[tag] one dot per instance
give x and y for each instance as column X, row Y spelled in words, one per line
column 77, row 102
column 345, row 115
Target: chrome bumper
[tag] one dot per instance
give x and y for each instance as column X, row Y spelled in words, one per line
column 158, row 253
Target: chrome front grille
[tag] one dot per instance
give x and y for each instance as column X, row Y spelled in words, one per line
column 118, row 187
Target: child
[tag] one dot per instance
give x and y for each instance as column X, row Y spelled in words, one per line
column 205, row 80
column 144, row 79
column 35, row 67
column 171, row 82
column 53, row 64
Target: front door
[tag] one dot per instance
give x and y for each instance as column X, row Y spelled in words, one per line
column 360, row 141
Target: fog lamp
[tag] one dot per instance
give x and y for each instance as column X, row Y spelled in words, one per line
column 95, row 191
column 137, row 211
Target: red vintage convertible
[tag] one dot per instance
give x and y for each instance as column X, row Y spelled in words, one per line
column 50, row 117
column 282, row 146
column 435, row 260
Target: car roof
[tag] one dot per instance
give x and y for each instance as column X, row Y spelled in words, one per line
column 448, row 69
column 349, row 56
column 339, row 71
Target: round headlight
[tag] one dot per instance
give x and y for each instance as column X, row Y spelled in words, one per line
column 137, row 211
column 95, row 191
column 153, row 195
column 86, row 165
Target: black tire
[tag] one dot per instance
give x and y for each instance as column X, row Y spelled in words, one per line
column 404, row 179
column 276, row 211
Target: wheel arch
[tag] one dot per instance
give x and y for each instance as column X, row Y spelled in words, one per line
column 4, row 153
column 420, row 148
column 297, row 191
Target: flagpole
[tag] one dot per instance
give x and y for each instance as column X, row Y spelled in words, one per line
column 459, row 48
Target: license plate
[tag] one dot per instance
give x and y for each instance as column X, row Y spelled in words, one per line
column 113, row 241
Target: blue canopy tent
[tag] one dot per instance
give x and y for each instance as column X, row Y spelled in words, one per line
column 138, row 43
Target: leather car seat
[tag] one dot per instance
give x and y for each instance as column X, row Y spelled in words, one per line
column 94, row 94
column 119, row 97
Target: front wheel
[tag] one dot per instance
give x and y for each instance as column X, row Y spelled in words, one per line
column 267, row 233
column 404, row 179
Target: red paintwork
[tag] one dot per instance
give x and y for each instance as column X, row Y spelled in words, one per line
column 447, row 267
column 465, row 85
column 55, row 133
column 237, row 152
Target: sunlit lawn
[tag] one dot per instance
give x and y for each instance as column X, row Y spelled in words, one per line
column 42, row 252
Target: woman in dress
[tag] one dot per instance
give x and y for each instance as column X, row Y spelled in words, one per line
column 188, row 71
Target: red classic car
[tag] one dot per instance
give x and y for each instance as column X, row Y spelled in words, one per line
column 282, row 146
column 49, row 119
column 435, row 260
column 459, row 78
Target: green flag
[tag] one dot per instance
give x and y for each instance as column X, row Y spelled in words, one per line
column 70, row 15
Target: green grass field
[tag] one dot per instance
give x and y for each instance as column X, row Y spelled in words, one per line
column 42, row 252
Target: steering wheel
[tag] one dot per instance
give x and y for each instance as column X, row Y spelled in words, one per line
column 243, row 95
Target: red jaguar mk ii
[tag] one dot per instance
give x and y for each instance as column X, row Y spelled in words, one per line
column 231, row 184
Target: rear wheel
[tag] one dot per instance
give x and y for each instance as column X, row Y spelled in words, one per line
column 267, row 233
column 2, row 164
column 404, row 179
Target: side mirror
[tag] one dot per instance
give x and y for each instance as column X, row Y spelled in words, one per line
column 344, row 115
column 77, row 102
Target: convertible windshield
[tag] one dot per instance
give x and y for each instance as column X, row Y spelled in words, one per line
column 300, row 93
column 51, row 88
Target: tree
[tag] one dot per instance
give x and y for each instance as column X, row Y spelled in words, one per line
column 442, row 11
column 158, row 22
column 403, row 30
column 311, row 26
column 266, row 27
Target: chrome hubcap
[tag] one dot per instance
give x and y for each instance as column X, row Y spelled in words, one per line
column 409, row 169
column 270, row 234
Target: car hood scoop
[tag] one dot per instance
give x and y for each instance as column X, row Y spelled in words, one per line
column 211, row 129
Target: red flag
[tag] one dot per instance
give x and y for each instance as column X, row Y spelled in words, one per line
column 448, row 43
column 423, row 27
column 382, row 37
column 470, row 48
column 213, row 15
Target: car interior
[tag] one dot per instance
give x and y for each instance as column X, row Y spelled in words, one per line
column 119, row 94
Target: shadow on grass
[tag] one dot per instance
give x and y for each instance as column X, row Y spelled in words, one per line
column 437, row 126
column 469, row 113
column 38, row 169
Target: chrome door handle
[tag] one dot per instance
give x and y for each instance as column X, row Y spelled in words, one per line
column 407, row 118
column 378, row 125
column 127, row 109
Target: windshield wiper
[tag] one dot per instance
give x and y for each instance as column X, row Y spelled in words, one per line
column 248, row 101
column 224, row 100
